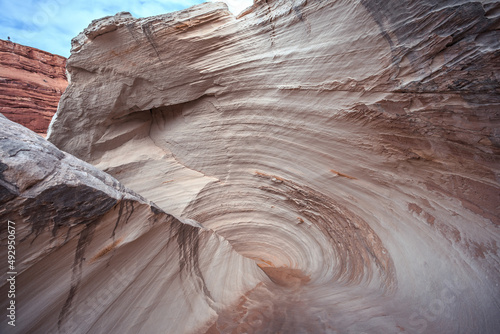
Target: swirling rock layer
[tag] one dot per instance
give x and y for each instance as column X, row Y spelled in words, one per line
column 350, row 148
column 31, row 84
column 92, row 256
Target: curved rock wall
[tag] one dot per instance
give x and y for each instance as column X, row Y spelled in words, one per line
column 31, row 84
column 92, row 256
column 350, row 148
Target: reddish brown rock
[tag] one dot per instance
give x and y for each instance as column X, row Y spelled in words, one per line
column 31, row 84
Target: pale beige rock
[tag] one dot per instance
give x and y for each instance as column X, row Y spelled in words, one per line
column 31, row 84
column 85, row 244
column 353, row 142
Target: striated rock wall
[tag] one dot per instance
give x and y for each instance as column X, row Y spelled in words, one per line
column 31, row 84
column 349, row 148
column 85, row 244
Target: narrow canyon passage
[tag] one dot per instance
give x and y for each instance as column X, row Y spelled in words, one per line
column 307, row 167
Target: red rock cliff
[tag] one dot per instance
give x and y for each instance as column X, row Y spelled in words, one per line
column 31, row 83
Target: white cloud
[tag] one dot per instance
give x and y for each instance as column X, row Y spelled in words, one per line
column 236, row 6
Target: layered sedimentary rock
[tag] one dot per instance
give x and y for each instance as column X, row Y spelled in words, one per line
column 349, row 148
column 84, row 244
column 31, row 84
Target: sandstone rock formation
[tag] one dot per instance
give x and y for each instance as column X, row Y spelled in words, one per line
column 349, row 148
column 85, row 243
column 31, row 84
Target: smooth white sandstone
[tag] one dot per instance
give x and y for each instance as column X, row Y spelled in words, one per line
column 353, row 143
column 85, row 244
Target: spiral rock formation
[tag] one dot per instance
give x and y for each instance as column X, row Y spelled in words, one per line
column 349, row 148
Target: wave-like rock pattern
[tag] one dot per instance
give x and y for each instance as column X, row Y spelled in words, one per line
column 31, row 84
column 350, row 148
column 85, row 244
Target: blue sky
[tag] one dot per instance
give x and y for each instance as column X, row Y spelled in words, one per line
column 51, row 24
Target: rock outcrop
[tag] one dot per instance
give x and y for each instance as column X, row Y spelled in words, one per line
column 349, row 148
column 84, row 243
column 31, row 84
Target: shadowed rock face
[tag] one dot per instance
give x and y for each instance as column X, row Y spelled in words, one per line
column 349, row 148
column 31, row 84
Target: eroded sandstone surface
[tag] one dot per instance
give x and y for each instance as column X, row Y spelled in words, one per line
column 31, row 84
column 85, row 244
column 347, row 148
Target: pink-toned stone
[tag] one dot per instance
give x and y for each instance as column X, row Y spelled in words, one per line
column 31, row 84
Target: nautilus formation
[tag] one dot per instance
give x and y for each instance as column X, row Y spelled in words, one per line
column 306, row 167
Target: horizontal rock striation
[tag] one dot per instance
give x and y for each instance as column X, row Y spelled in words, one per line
column 31, row 84
column 84, row 243
column 349, row 148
